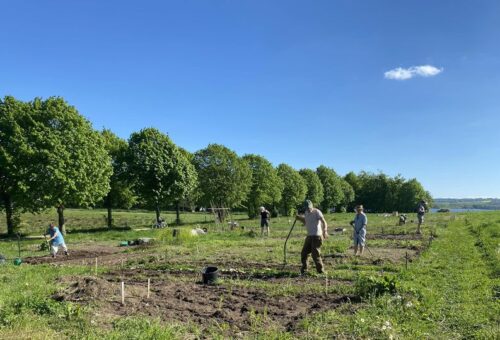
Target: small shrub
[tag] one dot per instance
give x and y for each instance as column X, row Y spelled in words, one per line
column 375, row 286
column 182, row 236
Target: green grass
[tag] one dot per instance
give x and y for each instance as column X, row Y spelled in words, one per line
column 446, row 294
column 450, row 292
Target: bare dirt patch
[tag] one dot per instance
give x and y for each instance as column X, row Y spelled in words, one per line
column 236, row 306
column 83, row 254
column 402, row 237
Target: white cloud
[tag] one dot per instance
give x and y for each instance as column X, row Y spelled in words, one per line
column 414, row 71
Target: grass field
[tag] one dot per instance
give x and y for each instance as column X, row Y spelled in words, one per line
column 407, row 286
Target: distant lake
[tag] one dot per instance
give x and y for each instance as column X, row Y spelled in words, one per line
column 457, row 210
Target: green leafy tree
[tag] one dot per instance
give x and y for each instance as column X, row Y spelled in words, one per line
column 355, row 184
column 381, row 193
column 121, row 194
column 294, row 191
column 332, row 187
column 70, row 155
column 266, row 184
column 224, row 178
column 16, row 164
column 163, row 175
column 348, row 193
column 412, row 192
column 373, row 192
column 192, row 196
column 64, row 157
column 314, row 186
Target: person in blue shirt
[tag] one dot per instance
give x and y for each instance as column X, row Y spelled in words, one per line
column 56, row 240
column 359, row 225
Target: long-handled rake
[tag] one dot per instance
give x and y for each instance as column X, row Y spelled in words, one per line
column 286, row 241
column 47, row 243
column 357, row 233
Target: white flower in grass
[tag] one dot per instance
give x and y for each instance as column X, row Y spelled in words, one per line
column 386, row 326
column 409, row 304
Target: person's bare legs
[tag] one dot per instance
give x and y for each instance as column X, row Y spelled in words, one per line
column 361, row 248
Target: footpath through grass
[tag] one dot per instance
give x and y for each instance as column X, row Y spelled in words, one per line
column 451, row 292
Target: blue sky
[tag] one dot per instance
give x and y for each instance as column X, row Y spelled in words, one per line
column 300, row 82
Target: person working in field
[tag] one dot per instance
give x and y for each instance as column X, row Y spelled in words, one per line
column 317, row 231
column 359, row 235
column 265, row 215
column 421, row 208
column 56, row 240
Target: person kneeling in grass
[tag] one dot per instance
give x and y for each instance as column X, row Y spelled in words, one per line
column 359, row 225
column 56, row 240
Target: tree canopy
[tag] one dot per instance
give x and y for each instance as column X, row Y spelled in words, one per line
column 163, row 175
column 121, row 194
column 332, row 188
column 266, row 184
column 314, row 186
column 16, row 165
column 50, row 156
column 67, row 160
column 294, row 190
column 224, row 178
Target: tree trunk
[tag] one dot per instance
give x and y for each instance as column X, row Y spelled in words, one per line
column 60, row 216
column 9, row 213
column 177, row 213
column 157, row 214
column 110, row 217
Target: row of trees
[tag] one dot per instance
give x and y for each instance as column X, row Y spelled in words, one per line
column 50, row 156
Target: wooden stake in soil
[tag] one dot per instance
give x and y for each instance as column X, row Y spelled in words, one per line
column 406, row 258
column 96, row 266
column 123, row 293
column 149, row 287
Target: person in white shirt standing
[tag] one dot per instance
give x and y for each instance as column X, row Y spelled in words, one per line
column 317, row 231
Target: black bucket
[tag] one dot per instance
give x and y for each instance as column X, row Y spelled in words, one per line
column 210, row 274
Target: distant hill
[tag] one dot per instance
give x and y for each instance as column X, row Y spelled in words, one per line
column 467, row 203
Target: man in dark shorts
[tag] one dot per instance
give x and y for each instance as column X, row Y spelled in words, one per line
column 264, row 221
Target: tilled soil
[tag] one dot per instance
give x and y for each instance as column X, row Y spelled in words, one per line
column 204, row 305
column 73, row 256
column 86, row 254
column 394, row 236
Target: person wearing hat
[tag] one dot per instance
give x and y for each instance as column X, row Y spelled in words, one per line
column 421, row 208
column 56, row 240
column 265, row 215
column 317, row 231
column 359, row 224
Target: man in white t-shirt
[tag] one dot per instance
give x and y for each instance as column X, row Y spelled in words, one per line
column 317, row 231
